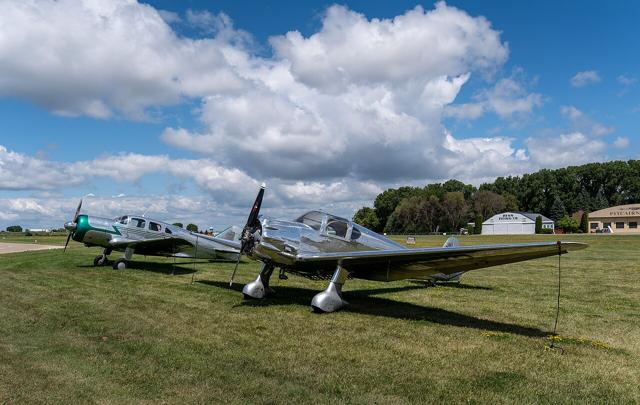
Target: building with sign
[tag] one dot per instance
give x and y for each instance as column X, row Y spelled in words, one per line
column 514, row 223
column 620, row 219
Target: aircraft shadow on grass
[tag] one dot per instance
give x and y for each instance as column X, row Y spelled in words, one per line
column 454, row 285
column 363, row 302
column 155, row 267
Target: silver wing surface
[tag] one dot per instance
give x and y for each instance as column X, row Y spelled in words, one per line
column 400, row 264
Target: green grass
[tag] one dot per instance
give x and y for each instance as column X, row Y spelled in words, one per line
column 56, row 238
column 70, row 332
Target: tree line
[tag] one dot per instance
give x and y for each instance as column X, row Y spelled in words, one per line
column 448, row 206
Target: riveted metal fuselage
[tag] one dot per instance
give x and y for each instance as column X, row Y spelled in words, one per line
column 280, row 241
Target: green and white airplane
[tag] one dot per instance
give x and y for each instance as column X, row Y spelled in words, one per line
column 149, row 237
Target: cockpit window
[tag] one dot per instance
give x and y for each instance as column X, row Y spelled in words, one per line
column 313, row 219
column 167, row 230
column 137, row 222
column 337, row 227
column 355, row 233
column 155, row 227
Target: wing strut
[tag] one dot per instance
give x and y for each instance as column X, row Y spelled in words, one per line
column 554, row 336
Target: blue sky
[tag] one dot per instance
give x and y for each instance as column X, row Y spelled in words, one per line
column 182, row 108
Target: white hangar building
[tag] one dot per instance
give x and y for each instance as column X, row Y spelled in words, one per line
column 514, row 223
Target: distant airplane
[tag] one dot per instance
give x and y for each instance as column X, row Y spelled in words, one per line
column 150, row 237
column 319, row 245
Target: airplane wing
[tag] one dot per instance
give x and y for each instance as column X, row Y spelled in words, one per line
column 399, row 264
column 150, row 246
column 172, row 245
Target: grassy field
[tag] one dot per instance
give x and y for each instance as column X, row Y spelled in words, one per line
column 57, row 238
column 70, row 332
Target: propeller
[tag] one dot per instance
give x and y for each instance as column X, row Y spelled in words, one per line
column 71, row 227
column 247, row 239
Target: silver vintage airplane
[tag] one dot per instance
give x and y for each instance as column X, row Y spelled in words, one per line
column 148, row 237
column 323, row 246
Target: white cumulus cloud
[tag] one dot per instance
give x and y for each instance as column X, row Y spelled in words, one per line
column 102, row 58
column 564, row 150
column 621, row 142
column 583, row 123
column 508, row 98
column 585, row 78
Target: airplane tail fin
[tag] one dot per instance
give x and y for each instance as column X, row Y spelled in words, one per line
column 451, row 242
column 232, row 233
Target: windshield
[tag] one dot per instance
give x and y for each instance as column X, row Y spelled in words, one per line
column 312, row 218
column 337, row 227
column 123, row 220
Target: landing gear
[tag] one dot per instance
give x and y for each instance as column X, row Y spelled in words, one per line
column 102, row 259
column 331, row 299
column 120, row 264
column 259, row 288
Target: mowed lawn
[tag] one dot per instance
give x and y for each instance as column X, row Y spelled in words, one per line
column 70, row 332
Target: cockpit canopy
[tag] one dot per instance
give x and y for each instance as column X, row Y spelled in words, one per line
column 330, row 225
column 142, row 223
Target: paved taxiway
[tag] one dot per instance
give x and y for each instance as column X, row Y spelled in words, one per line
column 24, row 247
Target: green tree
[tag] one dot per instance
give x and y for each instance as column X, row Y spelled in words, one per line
column 178, row 224
column 557, row 209
column 454, row 208
column 600, row 201
column 192, row 227
column 584, row 222
column 582, row 201
column 477, row 228
column 406, row 218
column 538, row 224
column 589, row 187
column 387, row 201
column 487, row 203
column 569, row 224
column 510, row 202
column 366, row 217
column 455, row 185
column 418, row 214
column 14, row 228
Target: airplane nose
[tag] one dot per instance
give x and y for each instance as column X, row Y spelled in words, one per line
column 70, row 226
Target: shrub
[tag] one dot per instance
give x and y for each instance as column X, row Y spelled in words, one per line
column 477, row 228
column 584, row 222
column 568, row 224
column 538, row 224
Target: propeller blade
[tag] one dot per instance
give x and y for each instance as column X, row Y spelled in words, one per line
column 255, row 210
column 65, row 245
column 75, row 221
column 75, row 217
column 252, row 221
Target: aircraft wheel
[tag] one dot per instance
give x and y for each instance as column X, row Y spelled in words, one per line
column 100, row 260
column 120, row 264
